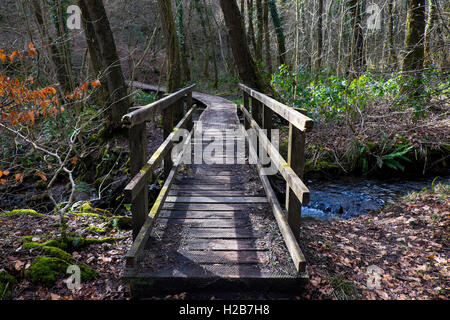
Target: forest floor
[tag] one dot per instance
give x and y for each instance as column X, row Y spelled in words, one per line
column 407, row 242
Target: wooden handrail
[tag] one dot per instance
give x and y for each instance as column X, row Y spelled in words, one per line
column 139, row 180
column 295, row 118
column 144, row 113
column 258, row 111
column 294, row 182
column 172, row 108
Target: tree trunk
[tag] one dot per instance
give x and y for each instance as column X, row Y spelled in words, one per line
column 391, row 60
column 182, row 39
column 278, row 24
column 428, row 29
column 414, row 44
column 259, row 33
column 251, row 29
column 56, row 62
column 268, row 56
column 357, row 59
column 247, row 69
column 105, row 60
column 212, row 42
column 319, row 36
column 173, row 74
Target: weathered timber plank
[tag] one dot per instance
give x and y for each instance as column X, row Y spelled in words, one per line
column 210, row 206
column 226, row 257
column 206, row 193
column 194, row 214
column 227, row 244
column 201, row 187
column 211, row 233
column 205, row 223
column 183, row 199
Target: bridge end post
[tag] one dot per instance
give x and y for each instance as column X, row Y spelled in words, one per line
column 138, row 154
column 296, row 160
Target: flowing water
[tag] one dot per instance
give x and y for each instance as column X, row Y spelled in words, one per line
column 349, row 197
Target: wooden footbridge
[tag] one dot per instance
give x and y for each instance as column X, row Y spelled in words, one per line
column 215, row 221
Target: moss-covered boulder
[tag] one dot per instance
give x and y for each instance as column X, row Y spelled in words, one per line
column 29, row 212
column 47, row 270
column 95, row 230
column 7, row 282
column 68, row 244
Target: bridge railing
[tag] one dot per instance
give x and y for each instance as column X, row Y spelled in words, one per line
column 258, row 111
column 177, row 111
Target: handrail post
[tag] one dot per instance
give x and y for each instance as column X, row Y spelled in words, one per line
column 138, row 155
column 246, row 106
column 188, row 107
column 296, row 160
column 256, row 115
column 168, row 116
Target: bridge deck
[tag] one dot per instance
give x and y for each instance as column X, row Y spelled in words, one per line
column 216, row 225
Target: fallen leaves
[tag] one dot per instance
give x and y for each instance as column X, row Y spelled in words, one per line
column 404, row 241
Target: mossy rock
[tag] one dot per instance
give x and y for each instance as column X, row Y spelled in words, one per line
column 57, row 253
column 7, row 282
column 46, row 271
column 97, row 230
column 29, row 212
column 68, row 244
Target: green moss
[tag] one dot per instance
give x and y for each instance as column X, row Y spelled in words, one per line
column 57, row 253
column 7, row 281
column 68, row 244
column 94, row 229
column 29, row 212
column 46, row 271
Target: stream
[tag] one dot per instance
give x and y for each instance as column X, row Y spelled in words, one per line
column 348, row 197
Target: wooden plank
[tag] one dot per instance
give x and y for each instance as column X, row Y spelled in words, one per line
column 226, row 244
column 204, row 180
column 184, row 199
column 226, row 257
column 211, row 233
column 210, row 193
column 210, row 206
column 297, row 119
column 146, row 112
column 196, row 214
column 201, row 187
column 205, row 223
column 143, row 175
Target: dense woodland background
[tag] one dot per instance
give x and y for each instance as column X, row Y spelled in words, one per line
column 375, row 82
